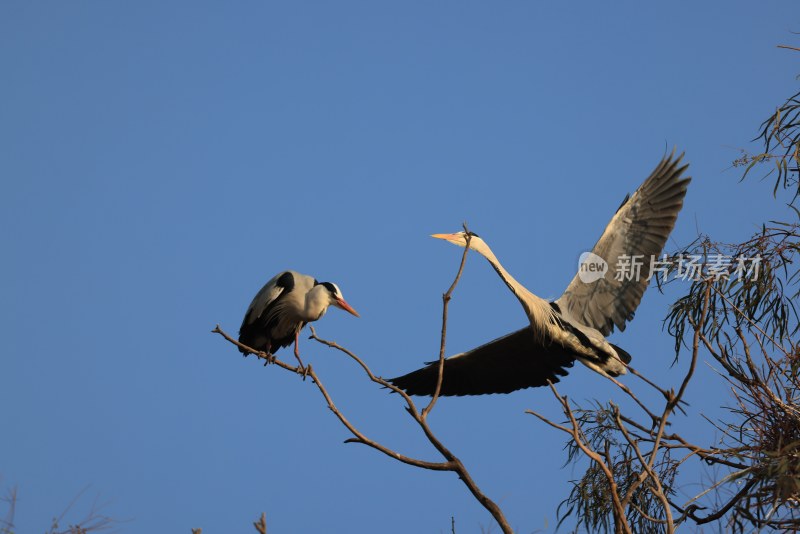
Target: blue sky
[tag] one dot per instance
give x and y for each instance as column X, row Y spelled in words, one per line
column 161, row 161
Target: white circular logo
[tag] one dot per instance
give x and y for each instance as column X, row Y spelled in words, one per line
column 591, row 267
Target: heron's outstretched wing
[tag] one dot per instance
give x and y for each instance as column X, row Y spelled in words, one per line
column 638, row 231
column 512, row 362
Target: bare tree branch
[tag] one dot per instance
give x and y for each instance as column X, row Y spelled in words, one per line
column 451, row 463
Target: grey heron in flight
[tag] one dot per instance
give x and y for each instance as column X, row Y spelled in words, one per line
column 283, row 307
column 574, row 326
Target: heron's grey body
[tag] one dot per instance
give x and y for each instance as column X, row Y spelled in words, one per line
column 575, row 325
column 283, row 307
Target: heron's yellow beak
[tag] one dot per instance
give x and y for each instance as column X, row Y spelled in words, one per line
column 456, row 239
column 346, row 307
column 446, row 237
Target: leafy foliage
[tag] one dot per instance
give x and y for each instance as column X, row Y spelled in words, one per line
column 590, row 498
column 780, row 134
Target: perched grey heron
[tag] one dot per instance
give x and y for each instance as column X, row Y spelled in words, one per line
column 575, row 325
column 283, row 307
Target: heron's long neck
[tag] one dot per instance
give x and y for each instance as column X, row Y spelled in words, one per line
column 539, row 311
column 317, row 302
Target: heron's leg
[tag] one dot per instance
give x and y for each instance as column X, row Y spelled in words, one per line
column 303, row 367
column 270, row 357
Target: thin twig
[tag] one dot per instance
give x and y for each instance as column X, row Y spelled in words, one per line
column 359, row 436
column 261, row 524
column 648, row 469
column 628, row 392
column 445, row 304
column 268, row 358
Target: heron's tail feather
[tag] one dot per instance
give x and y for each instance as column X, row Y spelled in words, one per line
column 622, row 353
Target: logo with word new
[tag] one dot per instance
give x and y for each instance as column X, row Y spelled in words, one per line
column 591, row 267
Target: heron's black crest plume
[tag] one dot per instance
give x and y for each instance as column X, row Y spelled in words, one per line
column 330, row 287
